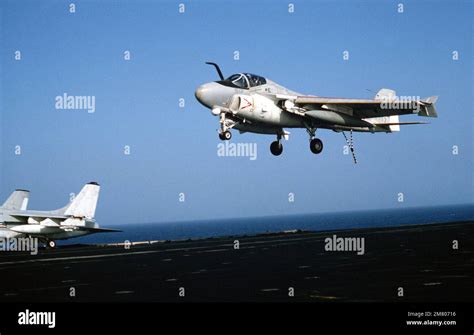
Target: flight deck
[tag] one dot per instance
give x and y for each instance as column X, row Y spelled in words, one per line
column 286, row 266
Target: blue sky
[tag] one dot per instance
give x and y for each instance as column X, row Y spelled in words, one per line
column 174, row 149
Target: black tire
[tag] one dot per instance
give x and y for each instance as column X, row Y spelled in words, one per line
column 227, row 135
column 52, row 244
column 276, row 148
column 316, row 146
column 221, row 137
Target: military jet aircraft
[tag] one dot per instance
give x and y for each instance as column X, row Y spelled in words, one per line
column 251, row 103
column 74, row 220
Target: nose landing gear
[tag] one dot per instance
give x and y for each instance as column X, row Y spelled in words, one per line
column 225, row 136
column 224, row 132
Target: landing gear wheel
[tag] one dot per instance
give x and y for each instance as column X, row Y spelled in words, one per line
column 221, row 137
column 276, row 148
column 227, row 135
column 316, row 146
column 52, row 244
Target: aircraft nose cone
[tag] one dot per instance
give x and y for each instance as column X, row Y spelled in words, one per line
column 211, row 94
column 202, row 93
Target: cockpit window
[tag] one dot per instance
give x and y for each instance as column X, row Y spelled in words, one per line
column 234, row 77
column 239, row 80
column 246, row 80
column 255, row 80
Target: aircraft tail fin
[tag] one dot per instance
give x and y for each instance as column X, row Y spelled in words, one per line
column 85, row 203
column 18, row 200
column 428, row 107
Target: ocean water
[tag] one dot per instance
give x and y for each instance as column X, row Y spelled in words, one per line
column 252, row 226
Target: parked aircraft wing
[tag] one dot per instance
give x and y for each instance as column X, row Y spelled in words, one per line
column 37, row 216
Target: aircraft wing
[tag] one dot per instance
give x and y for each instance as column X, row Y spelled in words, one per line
column 24, row 216
column 367, row 108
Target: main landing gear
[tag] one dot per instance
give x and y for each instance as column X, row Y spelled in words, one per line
column 50, row 244
column 315, row 144
column 276, row 147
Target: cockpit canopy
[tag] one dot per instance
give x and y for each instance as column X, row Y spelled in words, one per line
column 246, row 80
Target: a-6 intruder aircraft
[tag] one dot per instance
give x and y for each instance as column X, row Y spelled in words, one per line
column 74, row 220
column 251, row 103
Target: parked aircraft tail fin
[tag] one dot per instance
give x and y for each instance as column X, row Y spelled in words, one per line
column 18, row 200
column 85, row 203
